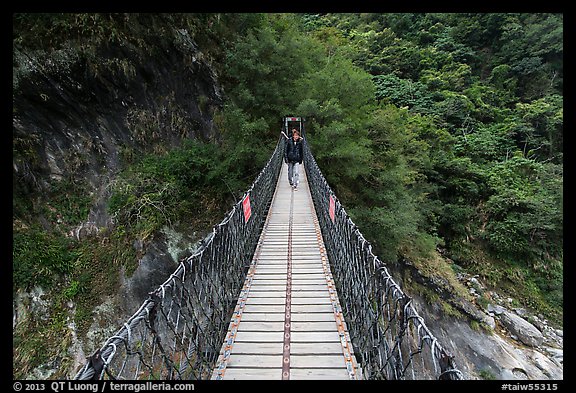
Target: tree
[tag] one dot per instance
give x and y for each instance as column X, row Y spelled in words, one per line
column 264, row 67
column 525, row 209
column 532, row 44
column 540, row 131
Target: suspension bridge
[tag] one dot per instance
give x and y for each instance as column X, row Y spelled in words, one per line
column 285, row 287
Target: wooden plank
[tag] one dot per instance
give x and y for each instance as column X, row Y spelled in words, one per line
column 265, row 276
column 309, row 276
column 277, row 260
column 265, row 282
column 306, row 263
column 317, row 361
column 305, row 244
column 299, row 303
column 301, row 282
column 268, row 308
column 261, row 326
column 266, row 279
column 302, row 247
column 238, row 373
column 319, row 374
column 263, row 316
column 272, row 261
column 266, row 300
column 304, row 255
column 271, row 269
column 313, row 269
column 314, row 337
column 309, row 308
column 255, row 293
column 308, row 279
column 309, row 293
column 310, row 300
column 255, row 361
column 308, row 259
column 309, row 242
column 267, row 348
column 305, row 291
column 267, row 288
column 304, row 279
column 325, row 348
column 259, row 336
column 275, row 288
column 300, row 286
column 314, row 326
column 261, row 292
column 311, row 317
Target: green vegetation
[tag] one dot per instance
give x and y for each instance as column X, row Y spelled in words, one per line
column 486, row 375
column 437, row 132
column 197, row 181
column 42, row 256
column 465, row 142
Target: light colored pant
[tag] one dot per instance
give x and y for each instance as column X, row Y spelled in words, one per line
column 293, row 175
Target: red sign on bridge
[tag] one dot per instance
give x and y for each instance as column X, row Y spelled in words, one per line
column 332, row 208
column 247, row 208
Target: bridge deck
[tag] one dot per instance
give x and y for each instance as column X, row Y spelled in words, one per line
column 288, row 322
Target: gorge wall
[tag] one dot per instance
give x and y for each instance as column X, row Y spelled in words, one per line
column 81, row 117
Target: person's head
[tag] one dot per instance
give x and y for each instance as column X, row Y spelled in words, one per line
column 295, row 133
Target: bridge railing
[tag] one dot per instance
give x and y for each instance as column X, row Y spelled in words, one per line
column 389, row 338
column 178, row 331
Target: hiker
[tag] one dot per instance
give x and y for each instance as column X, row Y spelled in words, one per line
column 293, row 156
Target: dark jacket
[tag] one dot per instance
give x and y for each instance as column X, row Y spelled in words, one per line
column 293, row 152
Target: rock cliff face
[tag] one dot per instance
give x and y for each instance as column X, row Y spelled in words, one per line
column 82, row 118
column 81, row 115
column 496, row 342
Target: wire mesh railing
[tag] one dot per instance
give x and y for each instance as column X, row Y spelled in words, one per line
column 390, row 339
column 178, row 331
